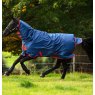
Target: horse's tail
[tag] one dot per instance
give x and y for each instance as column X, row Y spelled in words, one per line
column 87, row 45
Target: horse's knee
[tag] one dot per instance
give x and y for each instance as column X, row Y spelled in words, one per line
column 21, row 61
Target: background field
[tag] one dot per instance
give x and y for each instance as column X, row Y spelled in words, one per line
column 74, row 84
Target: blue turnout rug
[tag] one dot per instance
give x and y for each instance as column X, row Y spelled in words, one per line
column 36, row 43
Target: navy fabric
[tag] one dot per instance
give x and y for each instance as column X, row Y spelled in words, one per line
column 36, row 43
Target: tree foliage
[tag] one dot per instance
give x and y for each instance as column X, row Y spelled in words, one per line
column 65, row 16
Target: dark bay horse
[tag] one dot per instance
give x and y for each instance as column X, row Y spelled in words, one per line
column 36, row 43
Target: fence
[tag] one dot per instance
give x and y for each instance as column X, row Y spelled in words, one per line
column 80, row 63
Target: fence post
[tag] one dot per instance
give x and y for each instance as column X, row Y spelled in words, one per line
column 73, row 64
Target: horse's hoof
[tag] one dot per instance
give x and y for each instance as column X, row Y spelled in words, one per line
column 6, row 74
column 28, row 72
column 42, row 76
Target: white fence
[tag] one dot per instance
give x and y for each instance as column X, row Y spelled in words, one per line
column 82, row 66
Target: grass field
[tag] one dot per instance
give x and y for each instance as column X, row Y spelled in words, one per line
column 74, row 84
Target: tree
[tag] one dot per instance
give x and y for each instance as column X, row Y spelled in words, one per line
column 66, row 16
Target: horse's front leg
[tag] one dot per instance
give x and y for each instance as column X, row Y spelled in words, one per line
column 22, row 64
column 65, row 67
column 13, row 66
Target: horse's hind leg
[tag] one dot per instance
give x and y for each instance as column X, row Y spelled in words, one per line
column 65, row 67
column 57, row 65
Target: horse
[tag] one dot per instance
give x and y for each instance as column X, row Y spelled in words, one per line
column 36, row 43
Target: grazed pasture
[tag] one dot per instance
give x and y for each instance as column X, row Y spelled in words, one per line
column 74, row 84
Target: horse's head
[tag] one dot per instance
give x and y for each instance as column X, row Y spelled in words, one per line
column 12, row 27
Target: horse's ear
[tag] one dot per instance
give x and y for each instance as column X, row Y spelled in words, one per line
column 15, row 19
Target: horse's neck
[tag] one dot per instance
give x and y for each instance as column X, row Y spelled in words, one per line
column 25, row 30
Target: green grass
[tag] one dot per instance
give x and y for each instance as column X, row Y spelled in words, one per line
column 73, row 84
column 9, row 58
